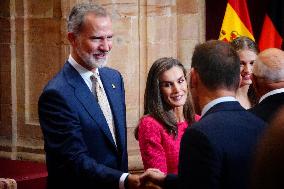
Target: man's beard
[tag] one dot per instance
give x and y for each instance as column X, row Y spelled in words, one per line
column 91, row 61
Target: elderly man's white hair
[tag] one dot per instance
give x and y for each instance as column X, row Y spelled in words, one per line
column 269, row 65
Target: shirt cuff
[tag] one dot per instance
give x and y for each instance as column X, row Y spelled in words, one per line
column 122, row 179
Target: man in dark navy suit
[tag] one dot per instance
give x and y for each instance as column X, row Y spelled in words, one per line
column 268, row 81
column 215, row 152
column 82, row 110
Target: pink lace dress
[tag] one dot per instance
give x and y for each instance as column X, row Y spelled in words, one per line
column 158, row 148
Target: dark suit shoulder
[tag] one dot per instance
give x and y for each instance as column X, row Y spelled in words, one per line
column 228, row 125
column 108, row 70
column 267, row 108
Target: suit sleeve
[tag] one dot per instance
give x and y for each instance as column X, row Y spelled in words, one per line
column 199, row 166
column 64, row 142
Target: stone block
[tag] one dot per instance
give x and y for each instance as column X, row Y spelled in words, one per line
column 5, row 31
column 44, row 9
column 30, row 135
column 134, row 157
column 160, row 10
column 39, row 70
column 42, row 58
column 123, row 33
column 42, row 63
column 125, row 10
column 5, row 8
column 160, row 2
column 5, row 58
column 31, row 110
column 30, row 139
column 133, row 114
column 188, row 27
column 5, row 88
column 120, row 2
column 6, row 120
column 65, row 51
column 57, row 13
column 159, row 50
column 30, row 156
column 43, row 31
column 19, row 8
column 187, row 6
column 17, row 35
column 104, row 2
column 63, row 32
column 161, row 29
column 185, row 51
column 128, row 63
column 5, row 142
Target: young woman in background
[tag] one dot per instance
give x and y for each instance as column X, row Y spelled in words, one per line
column 247, row 50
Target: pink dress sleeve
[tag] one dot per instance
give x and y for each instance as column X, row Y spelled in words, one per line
column 150, row 143
column 197, row 117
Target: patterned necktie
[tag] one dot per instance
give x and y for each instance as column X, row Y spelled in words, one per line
column 99, row 92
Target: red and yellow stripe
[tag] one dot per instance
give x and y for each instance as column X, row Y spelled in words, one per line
column 236, row 21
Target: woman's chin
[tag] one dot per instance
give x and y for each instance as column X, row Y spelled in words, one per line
column 246, row 83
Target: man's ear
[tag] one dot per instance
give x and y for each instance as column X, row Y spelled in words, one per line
column 193, row 78
column 71, row 38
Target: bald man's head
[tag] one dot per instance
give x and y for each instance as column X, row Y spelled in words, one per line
column 270, row 65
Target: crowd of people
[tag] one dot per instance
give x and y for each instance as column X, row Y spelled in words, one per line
column 216, row 125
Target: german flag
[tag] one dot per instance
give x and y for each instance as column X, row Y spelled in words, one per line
column 236, row 21
column 272, row 33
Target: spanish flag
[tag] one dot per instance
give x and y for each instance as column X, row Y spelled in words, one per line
column 272, row 33
column 236, row 21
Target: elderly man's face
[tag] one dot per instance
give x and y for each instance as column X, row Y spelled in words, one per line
column 94, row 41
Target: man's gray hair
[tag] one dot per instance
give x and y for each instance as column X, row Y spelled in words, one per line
column 78, row 12
column 275, row 74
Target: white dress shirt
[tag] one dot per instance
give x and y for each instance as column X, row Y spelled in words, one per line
column 276, row 91
column 216, row 101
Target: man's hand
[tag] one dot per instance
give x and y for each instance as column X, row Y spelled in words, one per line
column 133, row 181
column 150, row 185
column 154, row 176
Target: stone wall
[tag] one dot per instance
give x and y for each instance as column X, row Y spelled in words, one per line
column 33, row 47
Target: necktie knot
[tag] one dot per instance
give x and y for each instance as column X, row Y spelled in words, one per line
column 93, row 78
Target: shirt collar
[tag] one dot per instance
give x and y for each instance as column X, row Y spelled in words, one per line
column 273, row 92
column 216, row 101
column 84, row 73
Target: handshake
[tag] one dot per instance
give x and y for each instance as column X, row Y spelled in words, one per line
column 150, row 179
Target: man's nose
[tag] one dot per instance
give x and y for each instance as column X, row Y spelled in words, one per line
column 105, row 45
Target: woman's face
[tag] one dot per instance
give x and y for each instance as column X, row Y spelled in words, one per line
column 173, row 87
column 247, row 58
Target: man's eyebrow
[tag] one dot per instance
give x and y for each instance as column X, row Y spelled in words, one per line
column 101, row 36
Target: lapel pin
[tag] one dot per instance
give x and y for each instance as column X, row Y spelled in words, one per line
column 113, row 86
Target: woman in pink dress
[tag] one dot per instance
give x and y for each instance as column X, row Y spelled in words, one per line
column 167, row 113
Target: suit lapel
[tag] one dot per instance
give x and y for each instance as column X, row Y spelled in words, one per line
column 85, row 96
column 114, row 98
